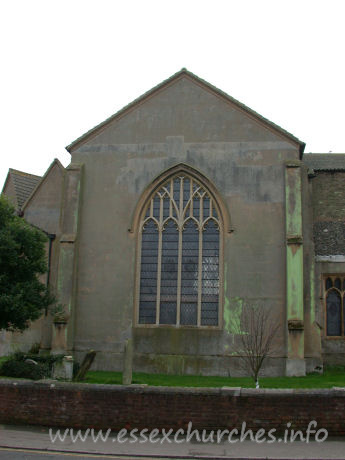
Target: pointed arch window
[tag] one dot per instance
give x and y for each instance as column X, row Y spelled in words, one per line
column 179, row 247
column 335, row 305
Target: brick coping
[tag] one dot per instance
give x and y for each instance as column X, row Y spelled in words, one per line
column 143, row 388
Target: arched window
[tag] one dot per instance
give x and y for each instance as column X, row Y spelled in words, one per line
column 335, row 314
column 179, row 249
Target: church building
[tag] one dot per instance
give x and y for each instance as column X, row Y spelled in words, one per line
column 176, row 215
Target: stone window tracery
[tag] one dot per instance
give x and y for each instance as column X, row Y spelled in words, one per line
column 179, row 237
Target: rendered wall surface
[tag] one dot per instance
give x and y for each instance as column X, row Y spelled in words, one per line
column 44, row 208
column 245, row 162
column 68, row 248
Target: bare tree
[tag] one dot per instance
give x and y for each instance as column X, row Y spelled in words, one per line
column 256, row 335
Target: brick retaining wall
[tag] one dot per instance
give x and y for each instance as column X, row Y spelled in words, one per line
column 115, row 406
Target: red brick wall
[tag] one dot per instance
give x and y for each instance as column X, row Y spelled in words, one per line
column 110, row 406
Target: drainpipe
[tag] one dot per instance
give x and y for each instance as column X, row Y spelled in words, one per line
column 51, row 237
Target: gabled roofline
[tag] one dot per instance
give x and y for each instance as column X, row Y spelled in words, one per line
column 178, row 75
column 38, row 185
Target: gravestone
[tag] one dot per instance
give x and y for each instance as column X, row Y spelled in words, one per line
column 64, row 369
column 85, row 365
column 127, row 363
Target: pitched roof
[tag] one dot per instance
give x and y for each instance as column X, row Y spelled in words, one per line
column 41, row 181
column 325, row 161
column 23, row 183
column 181, row 74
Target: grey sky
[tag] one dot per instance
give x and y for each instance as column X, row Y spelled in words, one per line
column 67, row 65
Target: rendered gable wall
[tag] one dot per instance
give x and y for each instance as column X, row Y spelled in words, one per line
column 245, row 161
column 44, row 207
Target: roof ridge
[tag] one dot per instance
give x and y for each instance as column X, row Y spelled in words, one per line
column 23, row 173
column 325, row 161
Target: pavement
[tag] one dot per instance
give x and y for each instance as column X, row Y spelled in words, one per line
column 29, row 442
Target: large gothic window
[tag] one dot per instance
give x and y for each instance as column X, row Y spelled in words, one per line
column 179, row 256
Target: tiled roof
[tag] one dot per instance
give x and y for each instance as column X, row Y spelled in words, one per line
column 325, row 161
column 24, row 183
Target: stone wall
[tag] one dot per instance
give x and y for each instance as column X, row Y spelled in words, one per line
column 329, row 238
column 329, row 212
column 116, row 407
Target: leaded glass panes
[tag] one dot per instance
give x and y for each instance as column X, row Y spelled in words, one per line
column 333, row 303
column 169, row 271
column 148, row 273
column 335, row 308
column 189, row 273
column 179, row 272
column 337, row 283
column 210, row 274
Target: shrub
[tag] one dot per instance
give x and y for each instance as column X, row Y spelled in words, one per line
column 23, row 296
column 22, row 369
column 17, row 365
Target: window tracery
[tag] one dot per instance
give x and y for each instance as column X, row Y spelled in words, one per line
column 179, row 255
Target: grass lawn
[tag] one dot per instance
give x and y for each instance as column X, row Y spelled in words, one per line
column 331, row 377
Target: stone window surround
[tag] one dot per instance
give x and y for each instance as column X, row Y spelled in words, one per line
column 225, row 228
column 333, row 277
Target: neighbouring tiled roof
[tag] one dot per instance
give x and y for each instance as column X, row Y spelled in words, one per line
column 24, row 183
column 325, row 161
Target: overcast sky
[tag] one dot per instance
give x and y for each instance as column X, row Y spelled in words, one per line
column 66, row 65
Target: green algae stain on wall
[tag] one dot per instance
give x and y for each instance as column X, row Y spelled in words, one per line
column 62, row 264
column 227, row 313
column 293, row 202
column 312, row 299
column 233, row 307
column 76, row 209
column 234, row 319
column 294, row 281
